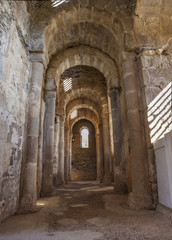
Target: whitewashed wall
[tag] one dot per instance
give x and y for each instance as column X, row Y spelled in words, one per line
column 163, row 153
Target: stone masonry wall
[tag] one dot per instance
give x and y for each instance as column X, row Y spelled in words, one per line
column 14, row 76
column 155, row 74
column 156, row 71
column 83, row 159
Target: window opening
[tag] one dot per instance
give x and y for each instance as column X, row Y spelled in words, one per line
column 67, row 84
column 73, row 114
column 84, row 138
column 56, row 3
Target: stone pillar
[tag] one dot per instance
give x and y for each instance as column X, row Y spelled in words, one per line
column 98, row 156
column 56, row 148
column 99, row 151
column 120, row 185
column 66, row 157
column 47, row 180
column 29, row 168
column 70, row 156
column 60, row 174
column 140, row 197
column 106, row 149
column 40, row 147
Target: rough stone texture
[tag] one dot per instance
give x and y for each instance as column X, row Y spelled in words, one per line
column 83, row 78
column 154, row 71
column 83, row 159
column 40, row 149
column 157, row 72
column 106, row 217
column 88, row 41
column 14, row 85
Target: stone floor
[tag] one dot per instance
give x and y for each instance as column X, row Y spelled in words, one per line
column 86, row 211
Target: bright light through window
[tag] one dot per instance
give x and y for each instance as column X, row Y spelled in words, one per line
column 67, row 84
column 56, row 3
column 160, row 114
column 73, row 114
column 84, row 138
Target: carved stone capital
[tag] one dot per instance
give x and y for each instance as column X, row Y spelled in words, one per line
column 38, row 57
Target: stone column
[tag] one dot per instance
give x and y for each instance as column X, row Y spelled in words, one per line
column 66, row 157
column 106, row 149
column 40, row 147
column 29, row 168
column 99, row 151
column 98, row 156
column 70, row 156
column 140, row 197
column 60, row 174
column 56, row 148
column 47, row 180
column 120, row 185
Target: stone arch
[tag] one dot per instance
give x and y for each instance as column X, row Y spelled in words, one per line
column 85, row 33
column 58, row 18
column 84, row 106
column 87, row 118
column 83, row 55
column 101, row 99
column 84, row 112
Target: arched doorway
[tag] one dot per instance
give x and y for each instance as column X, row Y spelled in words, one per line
column 83, row 165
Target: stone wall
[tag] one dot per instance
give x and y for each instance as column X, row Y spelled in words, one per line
column 154, row 72
column 83, row 159
column 14, row 85
column 157, row 73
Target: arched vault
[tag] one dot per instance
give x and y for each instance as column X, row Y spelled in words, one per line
column 82, row 55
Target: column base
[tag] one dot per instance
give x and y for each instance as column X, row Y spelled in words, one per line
column 100, row 180
column 100, row 176
column 140, row 201
column 60, row 180
column 120, row 188
column 48, row 191
column 27, row 205
column 107, row 180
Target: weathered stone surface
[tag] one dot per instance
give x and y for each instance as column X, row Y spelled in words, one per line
column 43, row 44
column 14, row 84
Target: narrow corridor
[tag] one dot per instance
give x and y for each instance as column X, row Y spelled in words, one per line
column 87, row 211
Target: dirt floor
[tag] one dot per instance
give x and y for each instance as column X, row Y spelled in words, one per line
column 87, row 211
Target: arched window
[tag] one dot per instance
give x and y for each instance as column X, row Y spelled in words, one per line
column 84, row 137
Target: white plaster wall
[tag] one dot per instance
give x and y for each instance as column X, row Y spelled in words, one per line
column 163, row 153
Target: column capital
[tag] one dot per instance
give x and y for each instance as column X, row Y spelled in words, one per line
column 51, row 85
column 149, row 52
column 50, row 93
column 105, row 115
column 66, row 128
column 38, row 56
column 114, row 90
column 97, row 133
column 62, row 117
column 57, row 119
column 129, row 56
